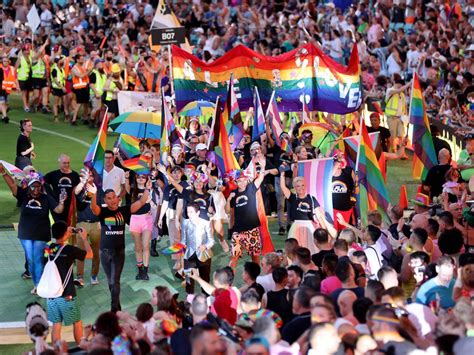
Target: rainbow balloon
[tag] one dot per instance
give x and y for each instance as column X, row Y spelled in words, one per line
column 305, row 74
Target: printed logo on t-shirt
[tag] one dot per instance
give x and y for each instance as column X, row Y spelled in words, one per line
column 114, row 221
column 241, row 201
column 201, row 202
column 34, row 204
column 303, row 207
column 64, row 182
column 338, row 187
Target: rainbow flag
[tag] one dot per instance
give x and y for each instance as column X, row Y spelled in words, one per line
column 94, row 159
column 222, row 153
column 17, row 173
column 306, row 70
column 129, row 146
column 373, row 193
column 234, row 125
column 276, row 125
column 424, row 156
column 317, row 174
column 305, row 115
column 140, row 165
column 169, row 133
column 258, row 128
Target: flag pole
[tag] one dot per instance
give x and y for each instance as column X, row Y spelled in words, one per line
column 211, row 130
column 100, row 130
column 360, row 138
column 170, row 62
column 269, row 103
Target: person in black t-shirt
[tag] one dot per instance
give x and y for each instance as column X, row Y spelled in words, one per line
column 24, row 145
column 305, row 213
column 436, row 177
column 384, row 132
column 63, row 180
column 113, row 218
column 65, row 309
column 244, row 221
column 343, row 189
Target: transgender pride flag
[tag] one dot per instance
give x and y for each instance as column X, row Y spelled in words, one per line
column 317, row 174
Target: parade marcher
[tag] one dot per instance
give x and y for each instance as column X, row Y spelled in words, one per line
column 114, row 177
column 34, row 225
column 97, row 80
column 24, row 145
column 23, row 70
column 197, row 236
column 80, row 88
column 40, row 80
column 89, row 222
column 113, row 218
column 9, row 83
column 61, row 181
column 343, row 189
column 242, row 207
column 304, row 212
column 141, row 223
column 65, row 309
column 112, row 86
column 58, row 85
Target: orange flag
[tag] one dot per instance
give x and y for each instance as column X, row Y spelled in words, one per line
column 403, row 202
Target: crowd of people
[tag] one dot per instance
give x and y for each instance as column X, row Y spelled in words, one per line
column 400, row 286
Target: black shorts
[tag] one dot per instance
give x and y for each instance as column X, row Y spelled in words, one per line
column 38, row 84
column 82, row 95
column 25, row 85
column 113, row 107
column 58, row 92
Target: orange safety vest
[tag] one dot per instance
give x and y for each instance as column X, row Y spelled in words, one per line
column 107, row 68
column 67, row 68
column 9, row 78
column 79, row 83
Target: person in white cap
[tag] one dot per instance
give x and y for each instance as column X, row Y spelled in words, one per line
column 201, row 153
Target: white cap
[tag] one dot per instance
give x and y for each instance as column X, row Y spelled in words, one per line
column 201, row 146
column 255, row 145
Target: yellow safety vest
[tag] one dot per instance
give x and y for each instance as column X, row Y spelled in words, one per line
column 38, row 70
column 23, row 70
column 110, row 92
column 100, row 80
column 60, row 76
column 391, row 108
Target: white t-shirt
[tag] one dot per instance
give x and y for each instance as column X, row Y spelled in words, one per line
column 267, row 282
column 374, row 259
column 393, row 66
column 114, row 179
column 413, row 58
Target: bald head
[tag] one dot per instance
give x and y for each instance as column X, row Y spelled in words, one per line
column 64, row 163
column 345, row 301
column 419, row 221
column 444, row 156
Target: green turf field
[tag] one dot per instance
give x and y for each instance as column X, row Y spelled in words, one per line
column 95, row 299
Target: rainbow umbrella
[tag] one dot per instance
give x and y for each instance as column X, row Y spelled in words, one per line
column 198, row 108
column 324, row 135
column 140, row 124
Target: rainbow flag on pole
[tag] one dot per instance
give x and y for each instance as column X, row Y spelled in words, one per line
column 276, row 125
column 258, row 128
column 373, row 193
column 306, row 71
column 424, row 155
column 94, row 159
column 233, row 123
column 140, row 165
column 318, row 177
column 128, row 146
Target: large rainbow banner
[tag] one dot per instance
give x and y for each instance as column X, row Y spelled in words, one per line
column 305, row 73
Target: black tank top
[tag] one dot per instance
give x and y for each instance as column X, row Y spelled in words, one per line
column 277, row 301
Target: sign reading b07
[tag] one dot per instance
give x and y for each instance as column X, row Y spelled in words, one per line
column 162, row 36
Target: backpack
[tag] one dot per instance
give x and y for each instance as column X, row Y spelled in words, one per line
column 50, row 284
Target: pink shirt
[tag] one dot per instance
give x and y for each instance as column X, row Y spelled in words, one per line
column 330, row 284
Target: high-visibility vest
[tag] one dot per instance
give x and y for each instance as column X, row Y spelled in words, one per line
column 100, row 80
column 23, row 70
column 67, row 68
column 60, row 76
column 80, row 83
column 38, row 70
column 110, row 92
column 9, row 81
column 391, row 108
column 107, row 67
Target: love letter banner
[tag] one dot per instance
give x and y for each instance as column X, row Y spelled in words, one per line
column 305, row 73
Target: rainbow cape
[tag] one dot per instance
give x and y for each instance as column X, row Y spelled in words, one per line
column 140, row 165
column 373, row 193
column 94, row 159
column 305, row 71
column 317, row 174
column 424, row 155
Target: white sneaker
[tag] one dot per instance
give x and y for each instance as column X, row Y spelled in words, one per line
column 94, row 280
column 79, row 282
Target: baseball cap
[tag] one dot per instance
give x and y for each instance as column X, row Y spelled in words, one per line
column 201, row 146
column 255, row 145
column 98, row 60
